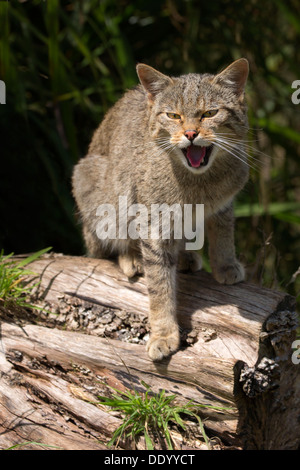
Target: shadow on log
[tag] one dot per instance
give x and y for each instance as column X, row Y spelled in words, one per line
column 236, row 358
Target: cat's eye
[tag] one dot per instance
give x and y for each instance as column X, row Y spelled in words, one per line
column 173, row 116
column 209, row 114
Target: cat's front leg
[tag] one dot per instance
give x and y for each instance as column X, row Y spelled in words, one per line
column 226, row 268
column 160, row 262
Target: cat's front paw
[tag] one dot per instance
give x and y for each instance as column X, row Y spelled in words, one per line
column 230, row 274
column 159, row 347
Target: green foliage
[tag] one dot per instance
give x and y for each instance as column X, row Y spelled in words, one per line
column 149, row 414
column 66, row 63
column 28, row 443
column 13, row 289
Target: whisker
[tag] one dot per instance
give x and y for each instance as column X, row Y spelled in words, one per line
column 256, row 164
column 242, row 146
column 164, row 146
column 235, row 139
column 239, row 148
column 252, row 150
column 229, row 150
column 159, row 140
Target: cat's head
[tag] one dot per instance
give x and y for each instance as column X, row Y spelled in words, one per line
column 197, row 117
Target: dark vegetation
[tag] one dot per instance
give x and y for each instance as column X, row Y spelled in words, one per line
column 65, row 63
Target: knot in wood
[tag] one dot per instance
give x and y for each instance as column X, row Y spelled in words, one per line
column 261, row 378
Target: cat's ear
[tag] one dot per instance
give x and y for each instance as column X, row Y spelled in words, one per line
column 153, row 81
column 235, row 75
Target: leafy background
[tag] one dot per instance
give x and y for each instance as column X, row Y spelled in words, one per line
column 65, row 63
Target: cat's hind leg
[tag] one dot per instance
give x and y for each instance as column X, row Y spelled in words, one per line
column 94, row 248
column 131, row 262
column 189, row 261
column 130, row 265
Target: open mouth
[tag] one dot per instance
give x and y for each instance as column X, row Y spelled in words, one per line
column 197, row 156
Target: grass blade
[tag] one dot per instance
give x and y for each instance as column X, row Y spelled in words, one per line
column 148, row 441
column 33, row 257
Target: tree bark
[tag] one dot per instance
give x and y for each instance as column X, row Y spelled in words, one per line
column 236, row 358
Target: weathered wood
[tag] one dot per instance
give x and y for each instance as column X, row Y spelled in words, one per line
column 40, row 408
column 240, row 360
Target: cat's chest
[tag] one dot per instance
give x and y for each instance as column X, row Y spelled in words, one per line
column 167, row 189
column 166, row 182
column 212, row 196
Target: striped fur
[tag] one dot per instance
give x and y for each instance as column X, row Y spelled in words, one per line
column 138, row 152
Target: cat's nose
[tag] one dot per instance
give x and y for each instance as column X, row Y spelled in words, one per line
column 191, row 134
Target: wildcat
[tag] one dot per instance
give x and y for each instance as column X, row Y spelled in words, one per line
column 170, row 140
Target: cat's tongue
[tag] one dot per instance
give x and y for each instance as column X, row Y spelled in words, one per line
column 195, row 154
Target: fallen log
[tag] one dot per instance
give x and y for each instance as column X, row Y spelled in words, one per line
column 236, row 357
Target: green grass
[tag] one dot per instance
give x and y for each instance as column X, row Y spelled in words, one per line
column 150, row 415
column 13, row 289
column 24, row 444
